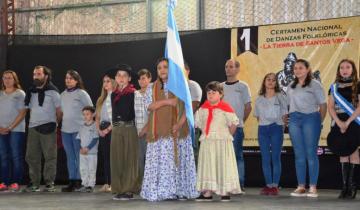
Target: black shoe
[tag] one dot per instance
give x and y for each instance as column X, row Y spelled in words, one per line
column 49, row 188
column 352, row 189
column 122, row 197
column 345, row 174
column 82, row 189
column 203, row 198
column 89, row 189
column 77, row 185
column 31, row 188
column 225, row 198
column 118, row 197
column 69, row 187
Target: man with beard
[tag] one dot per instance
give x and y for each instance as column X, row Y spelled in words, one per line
column 43, row 100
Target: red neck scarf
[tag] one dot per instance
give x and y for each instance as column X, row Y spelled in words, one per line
column 221, row 105
column 118, row 93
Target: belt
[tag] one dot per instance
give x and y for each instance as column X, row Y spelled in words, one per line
column 124, row 123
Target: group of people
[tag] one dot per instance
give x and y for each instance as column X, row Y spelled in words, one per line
column 144, row 138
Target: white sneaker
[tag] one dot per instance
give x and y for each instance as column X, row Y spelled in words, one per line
column 104, row 188
column 312, row 194
column 299, row 192
column 108, row 189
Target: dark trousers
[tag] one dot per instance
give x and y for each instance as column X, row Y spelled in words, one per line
column 104, row 147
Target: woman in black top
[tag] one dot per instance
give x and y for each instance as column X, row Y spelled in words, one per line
column 343, row 138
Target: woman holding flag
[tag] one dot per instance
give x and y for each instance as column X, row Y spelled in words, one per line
column 169, row 167
column 344, row 110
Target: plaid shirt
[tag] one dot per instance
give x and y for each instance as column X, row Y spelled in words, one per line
column 141, row 115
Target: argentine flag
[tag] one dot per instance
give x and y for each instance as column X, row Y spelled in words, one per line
column 177, row 81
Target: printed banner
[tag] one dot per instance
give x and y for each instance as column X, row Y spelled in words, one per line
column 274, row 48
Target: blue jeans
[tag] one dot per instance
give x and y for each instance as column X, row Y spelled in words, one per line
column 12, row 157
column 72, row 149
column 270, row 140
column 304, row 131
column 238, row 147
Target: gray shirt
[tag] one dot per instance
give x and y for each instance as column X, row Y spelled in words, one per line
column 86, row 135
column 195, row 90
column 72, row 104
column 270, row 110
column 46, row 113
column 11, row 104
column 306, row 100
column 237, row 95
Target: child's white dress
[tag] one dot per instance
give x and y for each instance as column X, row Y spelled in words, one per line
column 217, row 169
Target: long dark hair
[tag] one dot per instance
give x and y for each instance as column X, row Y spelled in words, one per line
column 354, row 77
column 76, row 76
column 308, row 76
column 262, row 91
column 157, row 63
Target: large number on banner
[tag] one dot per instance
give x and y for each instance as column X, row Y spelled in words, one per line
column 247, row 40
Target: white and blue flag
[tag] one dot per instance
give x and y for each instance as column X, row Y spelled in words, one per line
column 177, row 79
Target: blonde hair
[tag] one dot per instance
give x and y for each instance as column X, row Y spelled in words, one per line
column 103, row 95
column 15, row 77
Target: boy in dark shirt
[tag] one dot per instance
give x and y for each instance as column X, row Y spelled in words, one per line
column 124, row 149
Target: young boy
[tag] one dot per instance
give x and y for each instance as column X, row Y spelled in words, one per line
column 124, row 151
column 141, row 115
column 89, row 147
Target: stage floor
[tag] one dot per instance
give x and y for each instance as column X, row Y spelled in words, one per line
column 81, row 201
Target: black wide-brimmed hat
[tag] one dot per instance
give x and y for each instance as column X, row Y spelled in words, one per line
column 344, row 144
column 127, row 68
column 111, row 72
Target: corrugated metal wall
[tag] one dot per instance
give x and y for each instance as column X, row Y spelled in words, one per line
column 138, row 16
